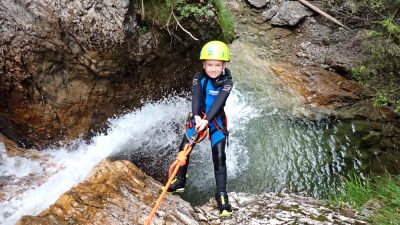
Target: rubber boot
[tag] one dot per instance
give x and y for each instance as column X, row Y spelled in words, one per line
column 225, row 208
column 177, row 185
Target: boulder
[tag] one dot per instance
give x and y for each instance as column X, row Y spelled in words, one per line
column 290, row 14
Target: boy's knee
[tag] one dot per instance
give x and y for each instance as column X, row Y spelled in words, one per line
column 218, row 153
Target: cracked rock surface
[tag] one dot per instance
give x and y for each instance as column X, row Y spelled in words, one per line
column 119, row 193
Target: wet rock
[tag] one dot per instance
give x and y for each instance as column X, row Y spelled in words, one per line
column 373, row 138
column 317, row 87
column 387, row 162
column 14, row 155
column 115, row 193
column 68, row 66
column 366, row 110
column 290, row 14
column 258, row 3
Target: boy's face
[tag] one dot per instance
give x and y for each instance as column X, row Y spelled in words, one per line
column 213, row 68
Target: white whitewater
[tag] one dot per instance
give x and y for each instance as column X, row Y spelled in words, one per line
column 131, row 131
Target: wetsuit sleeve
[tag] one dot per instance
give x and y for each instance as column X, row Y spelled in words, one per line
column 220, row 100
column 196, row 95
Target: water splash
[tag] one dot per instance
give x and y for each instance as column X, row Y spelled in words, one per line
column 154, row 127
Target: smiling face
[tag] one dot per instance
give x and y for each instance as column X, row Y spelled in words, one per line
column 213, row 68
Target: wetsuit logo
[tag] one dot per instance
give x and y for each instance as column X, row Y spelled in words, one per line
column 214, row 93
column 195, row 81
column 227, row 88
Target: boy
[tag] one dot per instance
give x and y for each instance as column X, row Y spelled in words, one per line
column 211, row 88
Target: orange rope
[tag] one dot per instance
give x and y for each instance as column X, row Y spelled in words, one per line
column 173, row 170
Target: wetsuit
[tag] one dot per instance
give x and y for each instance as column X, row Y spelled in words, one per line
column 209, row 97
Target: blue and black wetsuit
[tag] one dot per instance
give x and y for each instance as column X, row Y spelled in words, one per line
column 209, row 97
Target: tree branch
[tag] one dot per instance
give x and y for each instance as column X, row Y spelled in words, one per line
column 316, row 9
column 173, row 14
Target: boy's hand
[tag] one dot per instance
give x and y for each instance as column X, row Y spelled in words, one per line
column 197, row 119
column 201, row 125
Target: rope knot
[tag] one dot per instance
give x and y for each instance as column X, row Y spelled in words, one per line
column 181, row 158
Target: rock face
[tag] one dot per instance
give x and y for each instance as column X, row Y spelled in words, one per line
column 115, row 193
column 118, row 193
column 317, row 87
column 67, row 66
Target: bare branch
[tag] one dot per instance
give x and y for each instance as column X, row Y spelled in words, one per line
column 316, row 9
column 143, row 11
column 182, row 27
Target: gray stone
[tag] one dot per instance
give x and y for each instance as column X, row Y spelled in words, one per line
column 290, row 14
column 304, row 45
column 258, row 3
column 268, row 14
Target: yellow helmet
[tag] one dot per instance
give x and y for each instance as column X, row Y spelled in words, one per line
column 216, row 50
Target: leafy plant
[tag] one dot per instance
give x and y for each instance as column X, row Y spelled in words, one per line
column 391, row 27
column 143, row 29
column 381, row 99
column 193, row 10
column 185, row 9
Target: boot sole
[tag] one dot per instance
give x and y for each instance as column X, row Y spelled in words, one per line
column 225, row 213
column 179, row 190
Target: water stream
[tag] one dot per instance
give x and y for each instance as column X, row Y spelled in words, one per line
column 273, row 146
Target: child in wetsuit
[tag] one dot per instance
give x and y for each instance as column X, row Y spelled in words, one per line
column 211, row 89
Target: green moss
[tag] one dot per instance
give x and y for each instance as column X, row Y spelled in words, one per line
column 292, row 208
column 320, row 218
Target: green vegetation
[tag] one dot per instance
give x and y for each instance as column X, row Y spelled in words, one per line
column 185, row 10
column 225, row 20
column 380, row 70
column 162, row 12
column 381, row 196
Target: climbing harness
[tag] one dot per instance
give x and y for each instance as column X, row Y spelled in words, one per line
column 197, row 137
column 224, row 129
column 189, row 124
